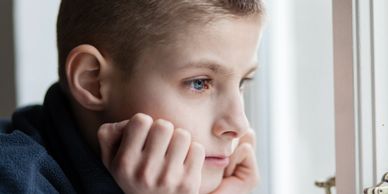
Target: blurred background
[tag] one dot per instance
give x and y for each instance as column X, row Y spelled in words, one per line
column 28, row 61
column 290, row 104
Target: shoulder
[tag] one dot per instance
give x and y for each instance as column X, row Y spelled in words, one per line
column 26, row 167
column 17, row 144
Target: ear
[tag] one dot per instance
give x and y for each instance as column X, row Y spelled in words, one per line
column 84, row 66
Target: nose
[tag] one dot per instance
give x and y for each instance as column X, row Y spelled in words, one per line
column 231, row 121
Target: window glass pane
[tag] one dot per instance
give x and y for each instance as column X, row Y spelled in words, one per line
column 36, row 51
column 381, row 84
column 294, row 112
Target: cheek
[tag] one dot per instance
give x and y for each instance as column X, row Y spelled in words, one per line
column 182, row 114
column 195, row 118
column 167, row 103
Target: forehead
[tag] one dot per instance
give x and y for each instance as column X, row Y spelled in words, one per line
column 224, row 44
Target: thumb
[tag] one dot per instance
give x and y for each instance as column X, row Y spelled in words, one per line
column 246, row 144
column 249, row 137
column 242, row 162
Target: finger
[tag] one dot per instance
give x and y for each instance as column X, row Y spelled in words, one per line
column 175, row 157
column 247, row 169
column 158, row 139
column 194, row 161
column 109, row 136
column 235, row 158
column 178, row 148
column 249, row 137
column 242, row 162
column 134, row 137
column 155, row 148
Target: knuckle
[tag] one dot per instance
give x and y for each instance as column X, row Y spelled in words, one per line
column 246, row 147
column 249, row 137
column 198, row 149
column 251, row 133
column 164, row 123
column 104, row 130
column 144, row 182
column 169, row 181
column 102, row 133
column 106, row 126
column 164, row 126
column 142, row 118
column 183, row 135
column 145, row 176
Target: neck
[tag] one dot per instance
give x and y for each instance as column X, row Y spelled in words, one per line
column 88, row 124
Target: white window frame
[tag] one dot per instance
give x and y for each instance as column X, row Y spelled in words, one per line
column 358, row 162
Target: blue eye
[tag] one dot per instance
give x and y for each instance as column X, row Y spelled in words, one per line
column 199, row 84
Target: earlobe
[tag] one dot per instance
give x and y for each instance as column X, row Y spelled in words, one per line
column 83, row 71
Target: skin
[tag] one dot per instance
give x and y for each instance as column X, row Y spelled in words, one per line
column 182, row 106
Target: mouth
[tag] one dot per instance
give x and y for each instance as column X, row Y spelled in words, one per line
column 218, row 161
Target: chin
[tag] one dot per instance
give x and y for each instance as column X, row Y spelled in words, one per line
column 211, row 179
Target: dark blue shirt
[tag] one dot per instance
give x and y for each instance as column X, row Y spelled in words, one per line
column 42, row 151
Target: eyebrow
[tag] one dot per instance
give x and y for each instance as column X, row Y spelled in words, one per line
column 214, row 67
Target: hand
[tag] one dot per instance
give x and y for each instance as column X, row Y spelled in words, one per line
column 241, row 175
column 151, row 157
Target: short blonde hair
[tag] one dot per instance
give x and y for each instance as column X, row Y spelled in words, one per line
column 121, row 29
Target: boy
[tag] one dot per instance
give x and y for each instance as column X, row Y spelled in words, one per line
column 149, row 101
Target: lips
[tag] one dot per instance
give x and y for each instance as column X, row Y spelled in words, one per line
column 218, row 161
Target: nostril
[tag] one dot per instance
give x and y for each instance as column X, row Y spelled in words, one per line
column 231, row 134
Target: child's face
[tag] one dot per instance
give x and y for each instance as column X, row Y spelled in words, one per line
column 195, row 83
